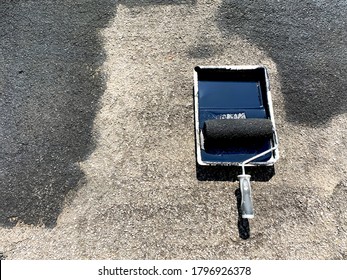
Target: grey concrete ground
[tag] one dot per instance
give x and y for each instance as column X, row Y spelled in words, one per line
column 97, row 157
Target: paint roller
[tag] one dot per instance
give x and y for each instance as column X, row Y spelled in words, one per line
column 225, row 133
column 222, row 134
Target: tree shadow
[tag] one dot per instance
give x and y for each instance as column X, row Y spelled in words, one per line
column 307, row 41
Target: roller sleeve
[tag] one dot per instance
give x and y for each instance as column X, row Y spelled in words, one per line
column 222, row 133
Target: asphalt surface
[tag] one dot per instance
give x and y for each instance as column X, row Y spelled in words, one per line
column 97, row 154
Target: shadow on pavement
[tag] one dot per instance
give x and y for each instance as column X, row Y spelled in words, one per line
column 242, row 223
column 132, row 3
column 230, row 173
column 307, row 40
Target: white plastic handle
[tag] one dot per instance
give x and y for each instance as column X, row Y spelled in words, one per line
column 246, row 196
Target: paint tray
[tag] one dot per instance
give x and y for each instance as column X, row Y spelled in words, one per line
column 233, row 92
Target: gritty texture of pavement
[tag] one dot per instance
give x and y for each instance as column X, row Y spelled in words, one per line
column 97, row 153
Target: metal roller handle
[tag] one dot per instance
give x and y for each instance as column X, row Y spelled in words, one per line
column 246, row 196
